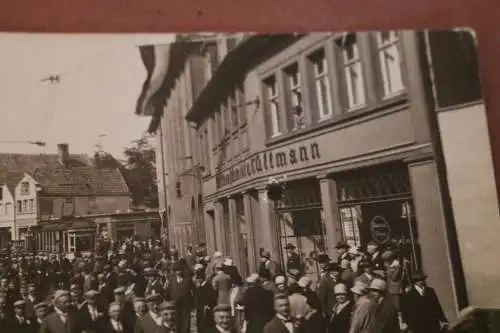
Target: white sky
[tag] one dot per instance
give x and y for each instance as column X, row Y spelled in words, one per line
column 101, row 78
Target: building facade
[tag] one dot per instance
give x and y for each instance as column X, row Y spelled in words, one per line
column 65, row 202
column 178, row 151
column 345, row 127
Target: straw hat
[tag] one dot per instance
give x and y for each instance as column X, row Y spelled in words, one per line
column 359, row 288
column 304, row 282
column 340, row 289
column 378, row 285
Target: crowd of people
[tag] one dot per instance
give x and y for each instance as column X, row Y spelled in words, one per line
column 142, row 287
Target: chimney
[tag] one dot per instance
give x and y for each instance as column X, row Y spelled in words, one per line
column 63, row 152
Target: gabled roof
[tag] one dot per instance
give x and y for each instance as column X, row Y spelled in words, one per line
column 29, row 162
column 81, row 180
column 79, row 176
column 13, row 179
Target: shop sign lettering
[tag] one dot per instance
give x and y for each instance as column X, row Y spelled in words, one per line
column 380, row 230
column 269, row 161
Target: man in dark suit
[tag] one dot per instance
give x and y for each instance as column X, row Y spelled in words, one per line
column 31, row 299
column 342, row 251
column 105, row 291
column 205, row 301
column 153, row 284
column 258, row 305
column 180, row 290
column 293, row 259
column 62, row 320
column 340, row 317
column 20, row 322
column 5, row 314
column 282, row 321
column 115, row 323
column 325, row 290
column 90, row 314
column 375, row 255
column 127, row 311
column 151, row 320
column 421, row 309
column 385, row 318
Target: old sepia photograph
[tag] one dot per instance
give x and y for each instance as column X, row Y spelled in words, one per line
column 329, row 182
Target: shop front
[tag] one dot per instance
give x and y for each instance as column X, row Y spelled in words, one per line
column 66, row 236
column 376, row 205
column 299, row 221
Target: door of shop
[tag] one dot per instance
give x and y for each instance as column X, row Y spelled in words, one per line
column 299, row 221
column 376, row 205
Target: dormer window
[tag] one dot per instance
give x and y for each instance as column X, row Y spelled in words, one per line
column 25, row 188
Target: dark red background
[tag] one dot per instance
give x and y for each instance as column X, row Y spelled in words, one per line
column 273, row 16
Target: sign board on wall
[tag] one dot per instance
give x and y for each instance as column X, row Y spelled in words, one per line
column 274, row 160
column 380, row 229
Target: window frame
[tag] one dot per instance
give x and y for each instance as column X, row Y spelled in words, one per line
column 316, row 57
column 383, row 48
column 273, row 102
column 356, row 61
column 25, row 187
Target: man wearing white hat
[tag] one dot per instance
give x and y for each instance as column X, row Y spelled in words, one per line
column 340, row 317
column 61, row 320
column 386, row 319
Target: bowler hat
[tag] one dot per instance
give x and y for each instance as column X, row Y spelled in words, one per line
column 222, row 308
column 333, row 267
column 418, row 276
column 342, row 245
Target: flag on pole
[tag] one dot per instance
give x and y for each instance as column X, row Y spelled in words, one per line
column 156, row 59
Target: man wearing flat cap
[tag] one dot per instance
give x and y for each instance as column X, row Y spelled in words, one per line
column 41, row 311
column 421, row 309
column 168, row 313
column 90, row 314
column 152, row 319
column 223, row 319
column 21, row 323
column 62, row 320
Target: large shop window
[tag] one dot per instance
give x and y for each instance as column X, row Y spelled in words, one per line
column 299, row 222
column 376, row 205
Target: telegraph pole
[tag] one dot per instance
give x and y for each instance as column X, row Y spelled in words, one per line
column 52, row 79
